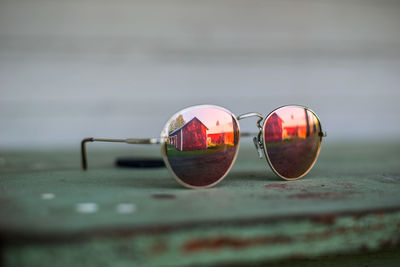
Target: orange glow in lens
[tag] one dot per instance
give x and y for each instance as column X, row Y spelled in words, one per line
column 292, row 140
column 201, row 145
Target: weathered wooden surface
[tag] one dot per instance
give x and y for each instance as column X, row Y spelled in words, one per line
column 348, row 204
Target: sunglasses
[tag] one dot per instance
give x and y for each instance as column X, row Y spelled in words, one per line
column 199, row 144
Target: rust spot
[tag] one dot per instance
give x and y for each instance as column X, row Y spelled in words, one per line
column 373, row 227
column 380, row 214
column 325, row 219
column 220, row 242
column 386, row 244
column 214, row 243
column 342, row 230
column 275, row 186
column 318, row 236
column 158, row 248
column 319, row 195
column 364, row 248
column 163, row 196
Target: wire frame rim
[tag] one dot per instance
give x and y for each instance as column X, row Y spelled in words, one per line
column 265, row 146
column 164, row 152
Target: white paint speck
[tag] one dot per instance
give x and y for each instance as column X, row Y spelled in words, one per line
column 125, row 208
column 87, row 207
column 48, row 196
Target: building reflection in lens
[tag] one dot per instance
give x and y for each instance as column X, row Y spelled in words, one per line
column 202, row 144
column 292, row 140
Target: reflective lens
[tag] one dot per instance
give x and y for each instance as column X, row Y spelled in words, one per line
column 200, row 146
column 292, row 140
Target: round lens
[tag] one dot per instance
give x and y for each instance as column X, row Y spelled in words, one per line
column 292, row 140
column 200, row 145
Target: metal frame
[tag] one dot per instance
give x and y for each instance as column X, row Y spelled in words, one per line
column 257, row 136
column 258, row 141
column 144, row 141
column 164, row 136
column 261, row 142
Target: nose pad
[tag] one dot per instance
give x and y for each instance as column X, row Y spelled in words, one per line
column 258, row 148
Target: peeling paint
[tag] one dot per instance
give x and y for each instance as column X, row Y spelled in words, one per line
column 320, row 195
column 325, row 219
column 219, row 242
column 275, row 186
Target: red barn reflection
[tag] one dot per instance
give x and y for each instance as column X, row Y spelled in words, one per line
column 273, row 129
column 221, row 138
column 191, row 136
column 298, row 131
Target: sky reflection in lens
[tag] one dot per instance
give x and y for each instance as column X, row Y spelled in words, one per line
column 292, row 140
column 201, row 144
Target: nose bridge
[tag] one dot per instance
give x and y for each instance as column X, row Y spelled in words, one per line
column 257, row 139
column 252, row 114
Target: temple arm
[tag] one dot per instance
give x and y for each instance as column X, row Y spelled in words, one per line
column 127, row 141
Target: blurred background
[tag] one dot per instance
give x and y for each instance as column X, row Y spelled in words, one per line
column 72, row 69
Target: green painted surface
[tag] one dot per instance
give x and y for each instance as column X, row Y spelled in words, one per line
column 349, row 201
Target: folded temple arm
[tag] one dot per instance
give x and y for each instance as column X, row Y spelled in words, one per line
column 127, row 141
